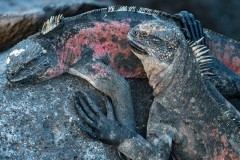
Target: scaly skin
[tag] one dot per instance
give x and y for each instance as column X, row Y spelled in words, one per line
column 90, row 46
column 101, row 33
column 224, row 79
column 198, row 111
column 189, row 118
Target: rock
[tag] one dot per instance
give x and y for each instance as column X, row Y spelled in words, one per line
column 36, row 120
column 19, row 19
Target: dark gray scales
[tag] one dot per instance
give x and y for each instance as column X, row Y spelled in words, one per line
column 27, row 66
column 188, row 118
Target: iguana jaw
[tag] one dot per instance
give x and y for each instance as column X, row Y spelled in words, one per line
column 136, row 46
column 27, row 61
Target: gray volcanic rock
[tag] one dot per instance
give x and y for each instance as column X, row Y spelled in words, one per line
column 21, row 18
column 36, row 120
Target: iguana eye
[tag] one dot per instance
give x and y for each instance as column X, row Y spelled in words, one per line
column 143, row 35
column 156, row 40
column 171, row 45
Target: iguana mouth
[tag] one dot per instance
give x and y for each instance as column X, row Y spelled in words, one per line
column 136, row 48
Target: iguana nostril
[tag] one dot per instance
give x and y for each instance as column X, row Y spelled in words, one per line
column 29, row 64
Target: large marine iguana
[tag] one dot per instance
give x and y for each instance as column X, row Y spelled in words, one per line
column 189, row 118
column 91, row 46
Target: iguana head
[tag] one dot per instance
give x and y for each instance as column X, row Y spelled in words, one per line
column 28, row 61
column 157, row 44
column 35, row 59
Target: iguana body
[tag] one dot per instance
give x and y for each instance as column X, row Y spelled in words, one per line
column 189, row 118
column 198, row 120
column 102, row 35
column 89, row 45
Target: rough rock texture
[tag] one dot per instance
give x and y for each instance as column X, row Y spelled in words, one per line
column 36, row 121
column 218, row 15
column 19, row 19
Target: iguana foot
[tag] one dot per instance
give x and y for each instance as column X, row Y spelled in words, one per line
column 98, row 125
column 191, row 28
column 106, row 128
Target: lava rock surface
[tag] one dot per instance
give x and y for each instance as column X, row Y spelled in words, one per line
column 37, row 120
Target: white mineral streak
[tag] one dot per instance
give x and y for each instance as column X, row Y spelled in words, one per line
column 7, row 61
column 15, row 52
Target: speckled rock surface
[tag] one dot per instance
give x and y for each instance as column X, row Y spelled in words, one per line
column 21, row 18
column 36, row 121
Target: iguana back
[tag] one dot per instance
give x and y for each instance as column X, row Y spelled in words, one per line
column 101, row 34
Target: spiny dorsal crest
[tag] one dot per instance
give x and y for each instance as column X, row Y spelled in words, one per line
column 51, row 23
column 203, row 57
column 138, row 9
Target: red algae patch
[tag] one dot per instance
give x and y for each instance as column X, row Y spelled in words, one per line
column 105, row 38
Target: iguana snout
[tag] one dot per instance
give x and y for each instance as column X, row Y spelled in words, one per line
column 27, row 61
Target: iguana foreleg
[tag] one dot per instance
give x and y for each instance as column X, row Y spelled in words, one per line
column 98, row 125
column 112, row 84
column 107, row 129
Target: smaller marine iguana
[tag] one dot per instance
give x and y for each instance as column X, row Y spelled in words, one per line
column 189, row 118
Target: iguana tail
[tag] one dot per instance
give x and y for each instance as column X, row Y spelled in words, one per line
column 225, row 49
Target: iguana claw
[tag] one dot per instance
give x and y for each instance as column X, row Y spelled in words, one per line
column 191, row 28
column 98, row 125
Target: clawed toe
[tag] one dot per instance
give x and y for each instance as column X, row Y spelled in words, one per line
column 191, row 27
column 85, row 129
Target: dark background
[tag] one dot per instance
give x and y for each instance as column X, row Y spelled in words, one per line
column 222, row 16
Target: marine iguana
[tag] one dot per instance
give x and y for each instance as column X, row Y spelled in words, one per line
column 189, row 118
column 102, row 32
column 91, row 46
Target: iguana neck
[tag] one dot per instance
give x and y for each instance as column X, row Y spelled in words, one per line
column 177, row 74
